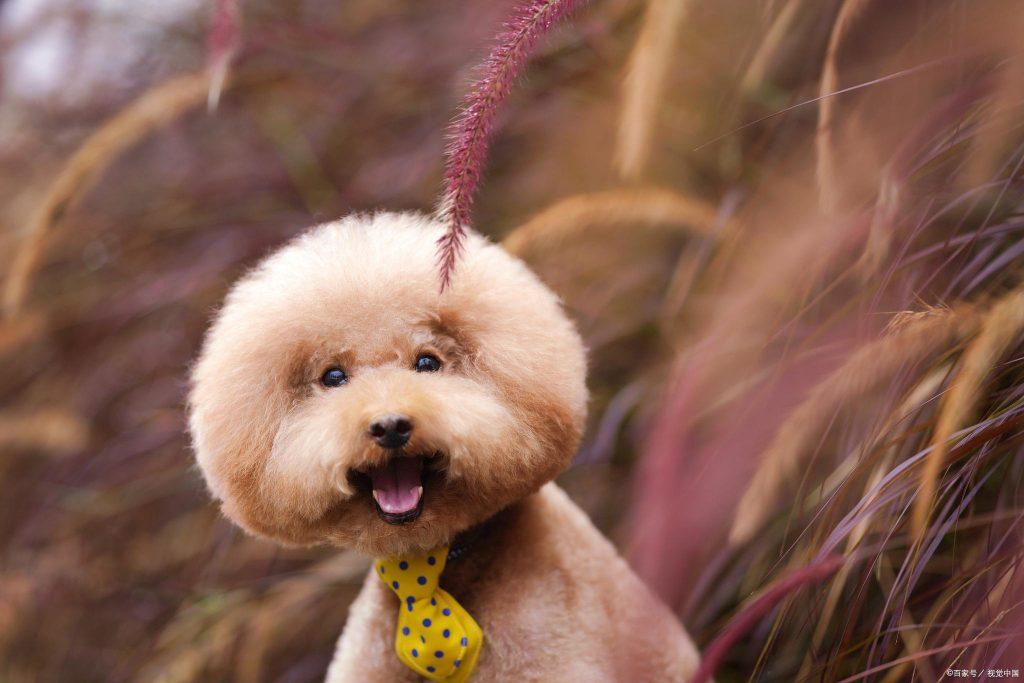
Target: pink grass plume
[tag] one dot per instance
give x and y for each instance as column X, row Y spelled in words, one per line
column 752, row 613
column 222, row 44
column 471, row 131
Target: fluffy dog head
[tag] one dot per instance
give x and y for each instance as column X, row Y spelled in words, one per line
column 340, row 398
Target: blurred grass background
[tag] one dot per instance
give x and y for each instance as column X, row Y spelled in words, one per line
column 817, row 302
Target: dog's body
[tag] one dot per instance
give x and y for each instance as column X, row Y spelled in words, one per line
column 555, row 601
column 341, row 398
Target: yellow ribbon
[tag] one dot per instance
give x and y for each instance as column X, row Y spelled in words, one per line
column 436, row 637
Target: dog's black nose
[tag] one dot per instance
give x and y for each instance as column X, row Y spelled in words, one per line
column 391, row 431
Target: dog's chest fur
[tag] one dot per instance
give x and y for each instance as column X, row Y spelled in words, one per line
column 554, row 599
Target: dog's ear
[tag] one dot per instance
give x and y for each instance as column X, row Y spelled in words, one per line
column 525, row 344
column 450, row 324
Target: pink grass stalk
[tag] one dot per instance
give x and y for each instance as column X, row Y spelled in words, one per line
column 750, row 615
column 921, row 654
column 689, row 458
column 222, row 44
column 471, row 130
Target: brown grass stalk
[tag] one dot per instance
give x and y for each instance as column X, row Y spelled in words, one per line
column 775, row 41
column 998, row 120
column 154, row 109
column 913, row 638
column 1001, row 326
column 589, row 214
column 828, row 161
column 52, row 430
column 291, row 597
column 896, row 174
column 15, row 334
column 924, row 390
column 201, row 643
column 916, row 340
column 646, row 75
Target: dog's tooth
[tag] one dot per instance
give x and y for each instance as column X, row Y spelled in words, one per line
column 376, row 496
column 419, row 491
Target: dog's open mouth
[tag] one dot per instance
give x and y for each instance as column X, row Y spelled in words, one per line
column 397, row 487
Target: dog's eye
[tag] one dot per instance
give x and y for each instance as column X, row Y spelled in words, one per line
column 333, row 377
column 427, row 363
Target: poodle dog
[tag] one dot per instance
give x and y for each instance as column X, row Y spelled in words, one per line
column 341, row 398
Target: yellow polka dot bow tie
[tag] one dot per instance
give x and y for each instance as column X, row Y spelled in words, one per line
column 436, row 637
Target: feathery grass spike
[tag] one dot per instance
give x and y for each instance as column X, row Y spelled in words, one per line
column 472, row 129
column 1001, row 327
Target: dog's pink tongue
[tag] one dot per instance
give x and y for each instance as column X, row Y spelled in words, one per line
column 396, row 486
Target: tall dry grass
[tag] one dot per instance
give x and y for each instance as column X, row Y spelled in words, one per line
column 645, row 83
column 803, row 324
column 155, row 108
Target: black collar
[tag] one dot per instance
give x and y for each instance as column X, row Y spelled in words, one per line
column 464, row 541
